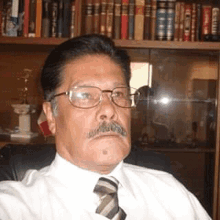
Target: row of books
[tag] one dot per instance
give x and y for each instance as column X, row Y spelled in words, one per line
column 37, row 18
column 152, row 19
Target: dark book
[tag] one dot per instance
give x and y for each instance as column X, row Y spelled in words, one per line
column 66, row 18
column 72, row 20
column 26, row 17
column 117, row 20
column 110, row 18
column 89, row 17
column 60, row 19
column 177, row 21
column 54, row 19
column 170, row 19
column 96, row 16
column 187, row 22
column 32, row 19
column 103, row 16
column 153, row 18
column 131, row 9
column 147, row 20
column 124, row 19
column 198, row 22
column 46, row 19
column 161, row 20
column 193, row 23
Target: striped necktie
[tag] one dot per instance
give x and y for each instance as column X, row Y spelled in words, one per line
column 107, row 191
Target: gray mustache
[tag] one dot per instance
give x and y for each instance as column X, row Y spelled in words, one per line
column 106, row 127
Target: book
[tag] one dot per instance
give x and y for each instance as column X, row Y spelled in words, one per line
column 72, row 20
column 161, row 20
column 170, row 19
column 117, row 20
column 60, row 19
column 38, row 18
column 13, row 22
column 124, row 19
column 177, row 21
column 96, row 16
column 198, row 22
column 187, row 22
column 66, row 18
column 147, row 20
column 206, row 20
column 139, row 20
column 153, row 18
column 109, row 18
column 26, row 18
column 89, row 17
column 32, row 19
column 54, row 19
column 215, row 21
column 8, row 12
column 103, row 16
column 193, row 23
column 182, row 16
column 46, row 19
column 131, row 9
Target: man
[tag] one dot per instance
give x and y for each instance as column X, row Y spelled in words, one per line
column 87, row 104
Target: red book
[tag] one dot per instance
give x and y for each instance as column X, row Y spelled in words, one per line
column 26, row 17
column 206, row 20
column 124, row 19
column 187, row 22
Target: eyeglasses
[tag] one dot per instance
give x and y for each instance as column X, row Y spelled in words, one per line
column 89, row 96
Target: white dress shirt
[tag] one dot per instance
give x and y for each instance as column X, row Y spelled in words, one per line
column 65, row 191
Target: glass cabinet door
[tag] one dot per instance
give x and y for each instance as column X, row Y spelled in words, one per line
column 176, row 115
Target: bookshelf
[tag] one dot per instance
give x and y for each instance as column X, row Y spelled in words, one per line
column 196, row 56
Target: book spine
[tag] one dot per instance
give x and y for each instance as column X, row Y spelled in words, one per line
column 147, row 20
column 13, row 23
column 66, row 19
column 117, row 19
column 46, row 20
column 103, row 17
column 60, row 19
column 38, row 18
column 198, row 22
column 215, row 21
column 193, row 23
column 131, row 9
column 182, row 15
column 161, row 20
column 110, row 18
column 187, row 22
column 96, row 17
column 206, row 20
column 153, row 19
column 72, row 20
column 20, row 18
column 3, row 22
column 32, row 19
column 89, row 17
column 124, row 19
column 26, row 17
column 170, row 19
column 139, row 20
column 177, row 21
column 54, row 18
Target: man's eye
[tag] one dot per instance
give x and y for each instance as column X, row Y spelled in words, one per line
column 84, row 95
column 119, row 95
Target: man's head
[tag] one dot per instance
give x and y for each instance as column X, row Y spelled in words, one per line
column 91, row 133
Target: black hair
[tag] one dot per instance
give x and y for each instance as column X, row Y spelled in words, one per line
column 51, row 76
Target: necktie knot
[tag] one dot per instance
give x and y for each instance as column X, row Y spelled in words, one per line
column 107, row 190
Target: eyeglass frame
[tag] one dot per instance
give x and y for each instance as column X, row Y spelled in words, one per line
column 100, row 99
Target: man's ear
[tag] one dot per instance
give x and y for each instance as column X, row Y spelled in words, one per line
column 50, row 117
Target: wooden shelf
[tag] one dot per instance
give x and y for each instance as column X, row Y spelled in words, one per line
column 215, row 46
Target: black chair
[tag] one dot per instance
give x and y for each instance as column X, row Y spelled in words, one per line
column 16, row 159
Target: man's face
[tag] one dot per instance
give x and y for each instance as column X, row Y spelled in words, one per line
column 72, row 126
